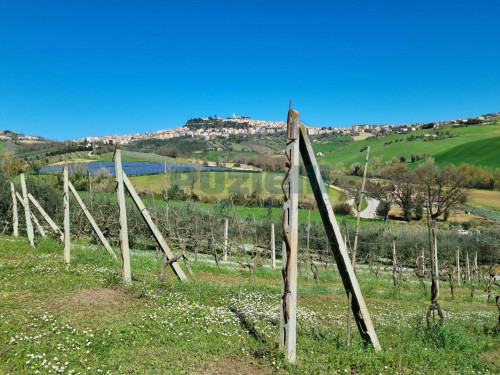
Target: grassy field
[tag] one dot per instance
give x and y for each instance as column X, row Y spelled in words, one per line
column 56, row 318
column 484, row 152
column 219, row 184
column 140, row 156
column 445, row 150
column 2, row 145
column 215, row 155
column 484, row 198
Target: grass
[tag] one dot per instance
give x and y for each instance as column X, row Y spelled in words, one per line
column 218, row 184
column 484, row 153
column 2, row 145
column 215, row 155
column 140, row 156
column 489, row 199
column 347, row 155
column 80, row 319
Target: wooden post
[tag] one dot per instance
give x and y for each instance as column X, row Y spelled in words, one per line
column 358, row 215
column 273, row 248
column 82, row 205
column 226, row 232
column 435, row 260
column 27, row 214
column 154, row 229
column 423, row 262
column 307, row 245
column 468, row 266
column 67, row 234
column 458, row 266
column 33, row 217
column 346, row 272
column 120, row 192
column 475, row 266
column 288, row 308
column 46, row 216
column 15, row 218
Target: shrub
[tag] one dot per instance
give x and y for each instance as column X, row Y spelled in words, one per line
column 343, row 208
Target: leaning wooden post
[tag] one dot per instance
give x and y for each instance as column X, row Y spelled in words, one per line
column 358, row 215
column 226, row 231
column 458, row 266
column 273, row 248
column 346, row 272
column 290, row 186
column 27, row 214
column 46, row 216
column 82, row 205
column 154, row 229
column 67, row 234
column 120, row 192
column 33, row 217
column 15, row 218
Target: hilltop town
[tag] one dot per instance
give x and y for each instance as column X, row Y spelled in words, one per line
column 213, row 127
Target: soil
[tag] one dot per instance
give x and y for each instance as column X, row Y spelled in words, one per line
column 233, row 366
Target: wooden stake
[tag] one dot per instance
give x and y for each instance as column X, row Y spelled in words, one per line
column 32, row 216
column 154, row 229
column 467, row 265
column 361, row 314
column 67, row 234
column 458, row 266
column 15, row 218
column 82, row 205
column 47, row 218
column 226, row 231
column 288, row 308
column 27, row 214
column 475, row 266
column 307, row 245
column 273, row 248
column 120, row 192
column 358, row 216
column 423, row 262
column 435, row 260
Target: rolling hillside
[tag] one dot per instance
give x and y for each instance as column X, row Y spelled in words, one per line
column 478, row 145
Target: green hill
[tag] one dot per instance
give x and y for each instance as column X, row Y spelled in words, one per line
column 485, row 153
column 477, row 145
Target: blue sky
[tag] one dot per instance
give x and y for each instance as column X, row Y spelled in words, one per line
column 71, row 69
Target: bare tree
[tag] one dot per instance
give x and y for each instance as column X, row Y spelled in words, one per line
column 442, row 189
column 401, row 186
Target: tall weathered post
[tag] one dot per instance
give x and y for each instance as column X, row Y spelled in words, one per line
column 273, row 248
column 67, row 232
column 458, row 266
column 290, row 186
column 15, row 218
column 27, row 213
column 467, row 266
column 226, row 232
column 120, row 191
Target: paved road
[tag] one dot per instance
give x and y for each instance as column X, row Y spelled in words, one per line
column 369, row 212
